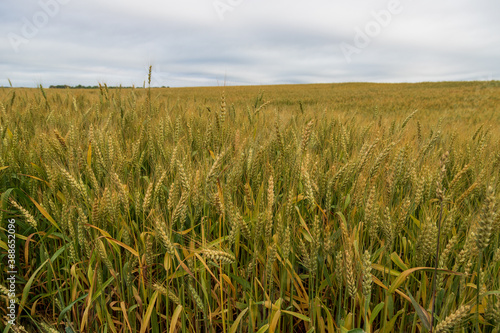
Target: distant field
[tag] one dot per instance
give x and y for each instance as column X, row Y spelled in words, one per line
column 292, row 208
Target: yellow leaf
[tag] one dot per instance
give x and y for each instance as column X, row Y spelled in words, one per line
column 167, row 261
column 109, row 238
column 104, row 232
column 297, row 315
column 34, row 178
column 89, row 155
column 329, row 319
column 228, row 280
column 385, row 269
column 87, row 308
column 302, row 222
column 44, row 212
column 125, row 246
column 402, row 277
column 175, row 317
column 147, row 316
column 377, row 281
column 183, row 265
column 125, row 314
column 187, row 231
column 274, row 322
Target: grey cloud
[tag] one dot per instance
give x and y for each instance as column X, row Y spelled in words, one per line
column 257, row 42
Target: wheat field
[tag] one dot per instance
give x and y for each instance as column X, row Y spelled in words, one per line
column 303, row 208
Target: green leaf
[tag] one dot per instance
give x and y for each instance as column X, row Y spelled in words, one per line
column 263, row 328
column 424, row 316
column 58, row 253
column 390, row 324
column 244, row 283
column 297, row 315
column 397, row 260
column 101, row 288
column 68, row 329
column 66, row 309
column 493, row 292
column 234, row 327
column 27, row 287
column 356, row 330
column 376, row 311
column 347, row 202
column 342, row 217
column 415, row 220
column 4, row 197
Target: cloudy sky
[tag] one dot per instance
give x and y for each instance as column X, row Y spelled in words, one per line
column 209, row 42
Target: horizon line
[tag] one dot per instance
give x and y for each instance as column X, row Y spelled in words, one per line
column 80, row 86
